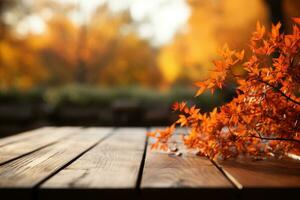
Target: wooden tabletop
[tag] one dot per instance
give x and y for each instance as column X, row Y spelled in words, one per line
column 110, row 163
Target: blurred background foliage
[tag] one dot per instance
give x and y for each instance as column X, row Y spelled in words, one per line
column 113, row 62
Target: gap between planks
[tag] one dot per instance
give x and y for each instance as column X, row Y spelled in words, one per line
column 277, row 179
column 21, row 136
column 109, row 134
column 29, row 171
column 24, row 144
column 185, row 176
column 110, row 170
column 141, row 170
column 165, row 176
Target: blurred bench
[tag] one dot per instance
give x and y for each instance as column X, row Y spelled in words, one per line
column 116, row 163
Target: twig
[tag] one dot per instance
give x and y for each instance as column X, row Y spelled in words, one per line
column 270, row 138
column 278, row 90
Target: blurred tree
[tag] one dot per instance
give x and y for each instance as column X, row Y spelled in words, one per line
column 211, row 24
column 19, row 67
column 101, row 50
column 104, row 48
column 98, row 52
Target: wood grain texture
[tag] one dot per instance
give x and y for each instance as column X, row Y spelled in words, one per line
column 105, row 163
column 276, row 179
column 264, row 173
column 16, row 146
column 185, row 176
column 165, row 171
column 28, row 171
column 23, row 136
column 109, row 170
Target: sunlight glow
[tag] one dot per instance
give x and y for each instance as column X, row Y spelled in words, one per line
column 33, row 24
column 160, row 19
column 157, row 20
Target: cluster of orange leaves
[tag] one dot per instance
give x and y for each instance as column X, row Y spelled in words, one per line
column 263, row 120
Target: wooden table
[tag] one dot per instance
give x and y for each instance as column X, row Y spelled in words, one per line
column 116, row 163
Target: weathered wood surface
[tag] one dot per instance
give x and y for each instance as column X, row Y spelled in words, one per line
column 186, row 175
column 29, row 171
column 276, row 179
column 16, row 146
column 113, row 164
column 107, row 163
column 23, row 136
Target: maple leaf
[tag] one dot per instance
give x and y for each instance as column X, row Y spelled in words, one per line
column 260, row 32
column 240, row 55
column 202, row 87
column 179, row 106
column 275, row 30
column 182, row 120
column 263, row 118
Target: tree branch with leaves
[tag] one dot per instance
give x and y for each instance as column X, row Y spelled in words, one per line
column 263, row 120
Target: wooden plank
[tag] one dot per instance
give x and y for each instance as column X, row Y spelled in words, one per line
column 29, row 171
column 23, row 136
column 185, row 176
column 108, row 171
column 276, row 179
column 16, row 146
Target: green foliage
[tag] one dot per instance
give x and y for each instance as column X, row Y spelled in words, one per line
column 85, row 96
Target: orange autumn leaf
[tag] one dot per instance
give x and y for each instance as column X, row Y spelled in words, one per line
column 202, row 88
column 179, row 106
column 182, row 120
column 263, row 119
column 260, row 31
column 240, row 55
column 275, row 30
column 296, row 20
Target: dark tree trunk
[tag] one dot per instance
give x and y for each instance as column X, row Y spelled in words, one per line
column 276, row 12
